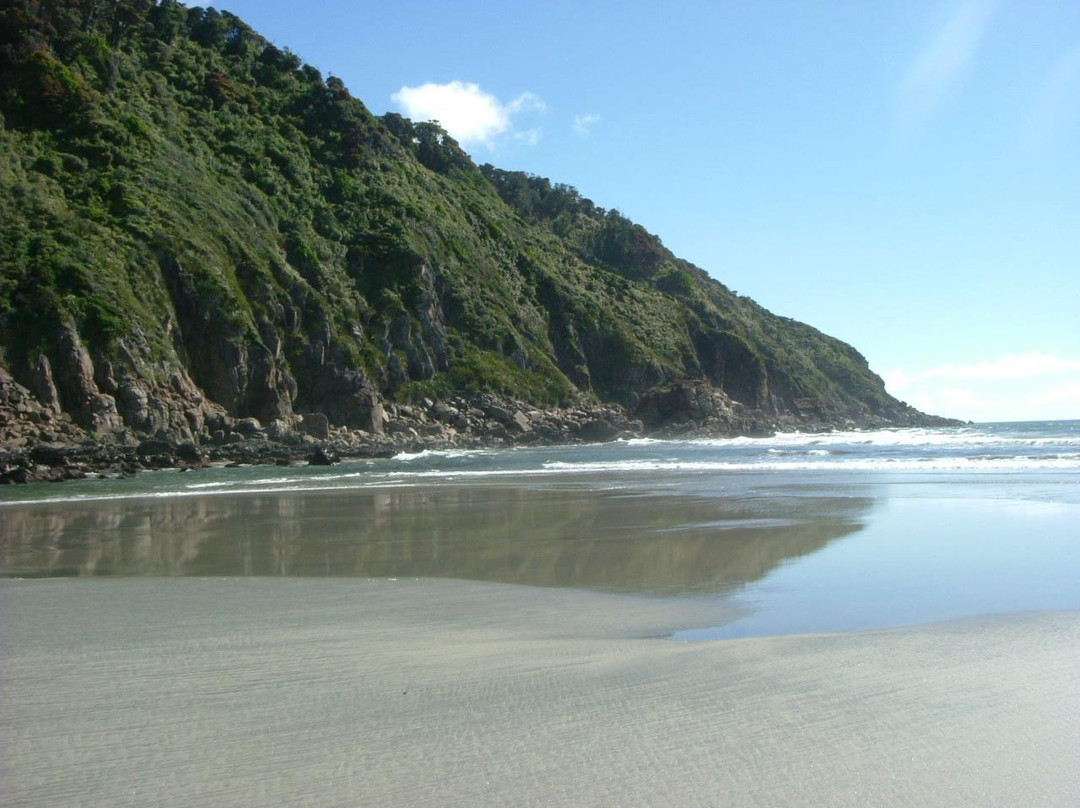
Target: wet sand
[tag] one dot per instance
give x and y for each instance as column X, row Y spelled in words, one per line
column 667, row 543
column 300, row 691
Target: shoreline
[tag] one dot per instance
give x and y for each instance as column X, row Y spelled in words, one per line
column 54, row 450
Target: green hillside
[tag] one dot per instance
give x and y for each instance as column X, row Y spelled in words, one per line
column 194, row 222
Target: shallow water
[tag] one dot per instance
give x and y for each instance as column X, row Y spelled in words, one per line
column 880, row 529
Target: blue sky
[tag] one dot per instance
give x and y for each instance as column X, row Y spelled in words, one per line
column 904, row 176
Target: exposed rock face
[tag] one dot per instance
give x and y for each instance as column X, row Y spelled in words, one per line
column 730, row 364
column 695, row 404
column 233, row 365
column 26, row 422
column 78, row 392
column 42, row 381
column 346, row 397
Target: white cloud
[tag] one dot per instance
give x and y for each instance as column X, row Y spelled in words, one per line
column 583, row 124
column 941, row 62
column 472, row 116
column 1036, row 385
column 1067, row 394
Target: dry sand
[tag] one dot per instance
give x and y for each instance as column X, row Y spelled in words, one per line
column 288, row 692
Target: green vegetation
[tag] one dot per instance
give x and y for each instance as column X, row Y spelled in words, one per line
column 187, row 195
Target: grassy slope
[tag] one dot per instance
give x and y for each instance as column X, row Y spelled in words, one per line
column 187, row 195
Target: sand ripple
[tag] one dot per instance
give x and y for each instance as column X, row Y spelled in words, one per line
column 255, row 692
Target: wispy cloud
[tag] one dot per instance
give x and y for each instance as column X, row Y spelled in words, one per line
column 473, row 117
column 583, row 124
column 527, row 102
column 1031, row 385
column 1010, row 366
column 530, row 137
column 1052, row 98
column 939, row 65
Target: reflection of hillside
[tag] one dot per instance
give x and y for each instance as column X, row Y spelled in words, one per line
column 661, row 543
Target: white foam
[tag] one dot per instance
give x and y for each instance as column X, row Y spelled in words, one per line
column 227, row 483
column 854, row 464
column 448, row 453
column 910, row 437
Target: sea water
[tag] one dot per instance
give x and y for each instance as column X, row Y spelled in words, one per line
column 802, row 532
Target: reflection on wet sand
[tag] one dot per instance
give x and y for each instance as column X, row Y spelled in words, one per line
column 664, row 544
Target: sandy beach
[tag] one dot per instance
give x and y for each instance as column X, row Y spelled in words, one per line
column 255, row 692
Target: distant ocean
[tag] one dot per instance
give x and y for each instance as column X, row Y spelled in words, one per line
column 1014, row 449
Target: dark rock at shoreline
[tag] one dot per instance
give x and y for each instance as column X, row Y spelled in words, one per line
column 50, row 454
column 188, row 452
column 155, row 447
column 323, row 457
column 687, row 409
column 597, row 430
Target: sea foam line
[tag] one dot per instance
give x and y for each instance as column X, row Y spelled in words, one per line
column 356, row 481
column 887, row 437
column 880, row 464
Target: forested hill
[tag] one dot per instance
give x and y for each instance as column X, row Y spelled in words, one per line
column 196, row 226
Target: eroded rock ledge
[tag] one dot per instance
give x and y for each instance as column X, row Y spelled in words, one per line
column 39, row 442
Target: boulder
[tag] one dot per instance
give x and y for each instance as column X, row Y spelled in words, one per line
column 519, row 421
column 188, row 452
column 281, row 430
column 323, row 457
column 248, row 427
column 443, row 412
column 499, row 413
column 597, row 430
column 154, row 448
column 50, row 454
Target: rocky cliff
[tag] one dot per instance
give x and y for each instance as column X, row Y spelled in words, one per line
column 203, row 240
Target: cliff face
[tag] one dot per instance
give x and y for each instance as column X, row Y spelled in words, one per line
column 197, row 228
